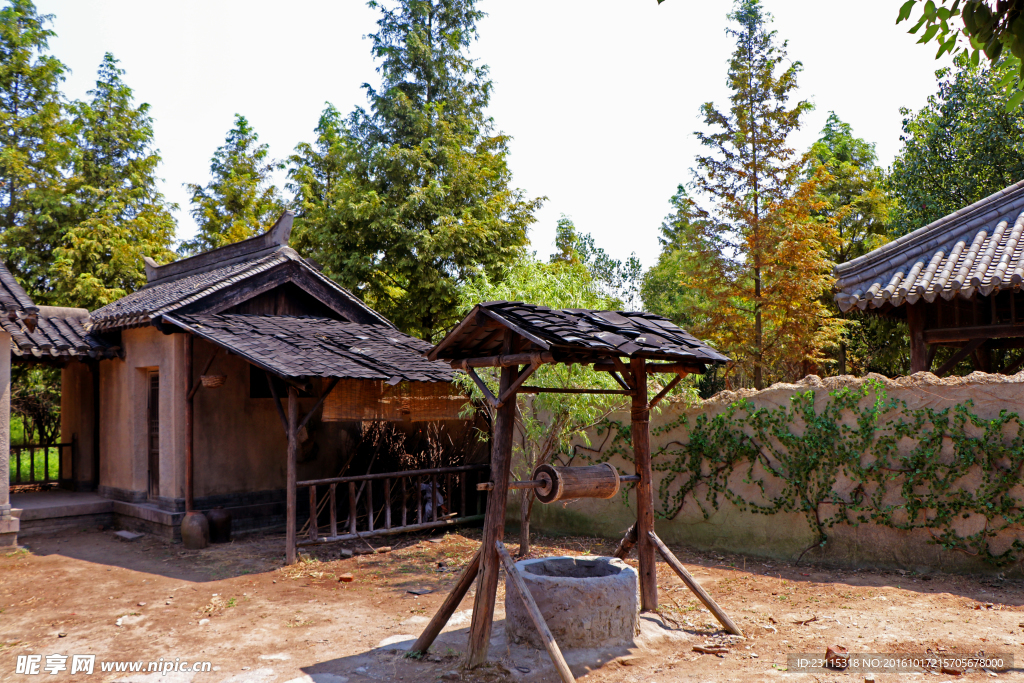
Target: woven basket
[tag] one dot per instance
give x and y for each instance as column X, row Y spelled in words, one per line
column 213, row 381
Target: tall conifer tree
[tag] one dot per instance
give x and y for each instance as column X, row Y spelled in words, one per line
column 425, row 202
column 240, row 201
column 114, row 212
column 34, row 145
column 760, row 257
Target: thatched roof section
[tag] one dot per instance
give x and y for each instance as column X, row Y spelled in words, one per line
column 976, row 249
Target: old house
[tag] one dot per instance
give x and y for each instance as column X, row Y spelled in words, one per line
column 956, row 282
column 175, row 395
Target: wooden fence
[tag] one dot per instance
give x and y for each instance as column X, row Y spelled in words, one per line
column 391, row 502
column 41, row 463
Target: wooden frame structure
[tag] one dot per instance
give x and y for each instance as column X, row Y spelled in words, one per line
column 519, row 338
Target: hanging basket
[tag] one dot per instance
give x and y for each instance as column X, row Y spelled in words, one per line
column 213, row 381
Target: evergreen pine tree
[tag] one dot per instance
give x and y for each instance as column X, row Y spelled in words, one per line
column 34, row 146
column 759, row 255
column 114, row 213
column 424, row 203
column 239, row 201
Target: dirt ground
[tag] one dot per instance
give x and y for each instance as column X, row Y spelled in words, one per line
column 253, row 619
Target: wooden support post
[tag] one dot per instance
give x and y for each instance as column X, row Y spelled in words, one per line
column 314, row 532
column 352, row 507
column 626, row 544
column 640, row 431
column 448, row 607
column 494, row 522
column 334, row 510
column 918, row 348
column 189, row 417
column 293, row 449
column 387, row 503
column 535, row 615
column 369, row 505
column 405, row 507
column 692, row 584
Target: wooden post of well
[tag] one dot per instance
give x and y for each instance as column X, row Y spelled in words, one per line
column 494, row 521
column 640, row 431
column 293, row 447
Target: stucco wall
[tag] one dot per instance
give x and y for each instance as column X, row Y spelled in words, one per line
column 787, row 535
column 77, row 422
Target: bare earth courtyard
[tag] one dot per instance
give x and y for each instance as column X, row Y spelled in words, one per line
column 237, row 607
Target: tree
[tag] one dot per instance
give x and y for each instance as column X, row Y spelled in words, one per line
column 960, row 147
column 34, row 146
column 758, row 255
column 113, row 210
column 619, row 282
column 424, row 204
column 240, row 201
column 665, row 289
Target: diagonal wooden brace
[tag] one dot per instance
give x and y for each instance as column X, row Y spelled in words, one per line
column 448, row 607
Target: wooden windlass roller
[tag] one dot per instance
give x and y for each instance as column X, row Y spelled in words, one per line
column 564, row 483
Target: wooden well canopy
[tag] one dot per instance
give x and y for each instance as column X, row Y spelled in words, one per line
column 957, row 282
column 518, row 338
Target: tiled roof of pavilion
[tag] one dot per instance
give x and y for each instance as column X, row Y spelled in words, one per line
column 579, row 335
column 299, row 347
column 60, row 334
column 186, row 284
column 976, row 249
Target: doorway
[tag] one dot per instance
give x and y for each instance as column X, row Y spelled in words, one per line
column 153, row 433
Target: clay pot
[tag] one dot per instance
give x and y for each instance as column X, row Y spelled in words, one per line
column 220, row 525
column 195, row 530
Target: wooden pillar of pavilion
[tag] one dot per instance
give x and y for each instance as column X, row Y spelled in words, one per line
column 640, row 432
column 919, row 361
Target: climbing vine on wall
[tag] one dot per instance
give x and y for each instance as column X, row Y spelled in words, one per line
column 844, row 465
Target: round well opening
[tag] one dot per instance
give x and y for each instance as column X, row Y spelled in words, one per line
column 573, row 568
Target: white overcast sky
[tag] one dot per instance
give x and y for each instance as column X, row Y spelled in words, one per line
column 601, row 98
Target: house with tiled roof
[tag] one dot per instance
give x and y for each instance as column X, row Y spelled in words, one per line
column 178, row 396
column 956, row 282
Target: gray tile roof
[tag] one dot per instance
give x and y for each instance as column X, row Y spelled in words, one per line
column 977, row 249
column 295, row 347
column 16, row 303
column 60, row 334
column 575, row 334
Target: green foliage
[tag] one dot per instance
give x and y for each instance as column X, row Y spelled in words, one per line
column 114, row 213
column 960, row 466
column 619, row 282
column 959, row 148
column 758, row 254
column 239, row 202
column 35, row 141
column 970, row 28
column 665, row 289
column 421, row 202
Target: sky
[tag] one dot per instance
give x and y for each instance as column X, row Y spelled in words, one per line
column 601, row 97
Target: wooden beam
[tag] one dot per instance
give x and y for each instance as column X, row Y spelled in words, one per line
column 1015, row 366
column 206, row 369
column 918, row 349
column 962, row 334
column 293, row 449
column 323, row 396
column 277, row 402
column 618, row 378
column 511, row 391
column 626, row 544
column 504, row 360
column 556, row 390
column 535, row 615
column 664, row 392
column 448, row 607
column 494, row 522
column 641, row 436
column 484, row 389
column 692, row 584
column 967, row 350
column 654, row 368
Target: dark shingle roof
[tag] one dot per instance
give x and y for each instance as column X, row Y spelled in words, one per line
column 61, row 334
column 978, row 248
column 574, row 334
column 295, row 347
column 183, row 283
column 16, row 303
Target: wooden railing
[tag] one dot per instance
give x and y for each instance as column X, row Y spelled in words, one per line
column 44, row 463
column 391, row 502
